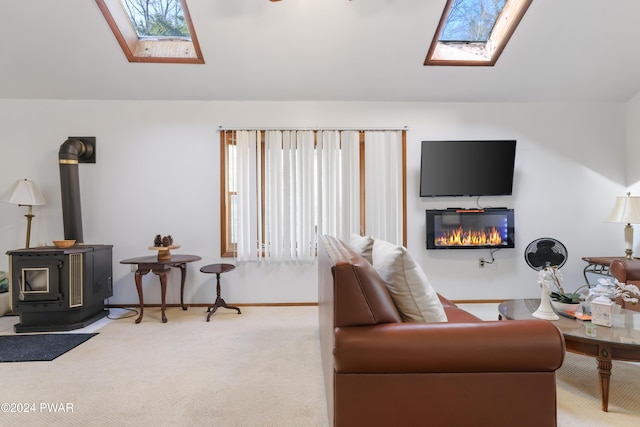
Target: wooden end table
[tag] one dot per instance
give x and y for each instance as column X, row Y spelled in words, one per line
column 218, row 269
column 160, row 267
column 614, row 343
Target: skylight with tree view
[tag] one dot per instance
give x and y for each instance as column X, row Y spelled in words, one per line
column 157, row 18
column 153, row 30
column 474, row 32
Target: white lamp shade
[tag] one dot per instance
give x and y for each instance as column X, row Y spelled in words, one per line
column 24, row 193
column 626, row 210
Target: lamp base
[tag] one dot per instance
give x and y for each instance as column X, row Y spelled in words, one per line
column 628, row 241
column 29, row 216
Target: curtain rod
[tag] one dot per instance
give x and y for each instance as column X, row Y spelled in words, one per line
column 223, row 129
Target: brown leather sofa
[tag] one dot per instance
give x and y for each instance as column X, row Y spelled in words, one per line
column 626, row 271
column 466, row 372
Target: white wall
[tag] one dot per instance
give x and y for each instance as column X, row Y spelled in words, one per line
column 157, row 172
column 633, row 145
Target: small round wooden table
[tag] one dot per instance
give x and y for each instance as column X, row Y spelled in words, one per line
column 218, row 269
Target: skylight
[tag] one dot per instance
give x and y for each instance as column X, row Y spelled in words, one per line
column 157, row 19
column 153, row 30
column 474, row 32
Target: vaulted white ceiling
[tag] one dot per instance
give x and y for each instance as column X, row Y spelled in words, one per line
column 337, row 50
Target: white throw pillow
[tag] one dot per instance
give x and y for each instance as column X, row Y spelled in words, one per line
column 409, row 287
column 363, row 245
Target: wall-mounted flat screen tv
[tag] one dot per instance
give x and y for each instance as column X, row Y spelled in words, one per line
column 467, row 168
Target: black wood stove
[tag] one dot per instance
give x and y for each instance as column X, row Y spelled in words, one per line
column 55, row 289
column 60, row 289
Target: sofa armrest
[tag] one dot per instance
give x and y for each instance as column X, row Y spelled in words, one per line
column 492, row 346
column 625, row 270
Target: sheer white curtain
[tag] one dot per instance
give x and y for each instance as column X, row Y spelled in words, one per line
column 290, row 184
column 339, row 183
column 312, row 186
column 245, row 168
column 384, row 185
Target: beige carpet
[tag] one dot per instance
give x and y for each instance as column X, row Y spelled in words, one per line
column 260, row 368
column 579, row 394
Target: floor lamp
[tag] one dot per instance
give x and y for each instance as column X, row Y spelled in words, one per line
column 25, row 193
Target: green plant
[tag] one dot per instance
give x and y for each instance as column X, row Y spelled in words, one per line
column 561, row 295
column 567, row 298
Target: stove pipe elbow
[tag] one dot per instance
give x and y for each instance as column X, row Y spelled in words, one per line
column 72, row 152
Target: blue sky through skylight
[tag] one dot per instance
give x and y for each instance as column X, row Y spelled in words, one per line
column 471, row 20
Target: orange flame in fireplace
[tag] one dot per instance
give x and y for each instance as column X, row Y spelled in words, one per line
column 461, row 237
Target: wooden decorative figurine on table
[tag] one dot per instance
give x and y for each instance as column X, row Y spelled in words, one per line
column 163, row 245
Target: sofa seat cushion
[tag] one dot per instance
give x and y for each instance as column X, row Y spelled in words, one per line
column 408, row 286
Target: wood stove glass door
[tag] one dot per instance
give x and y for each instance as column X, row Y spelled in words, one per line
column 37, row 279
column 34, row 280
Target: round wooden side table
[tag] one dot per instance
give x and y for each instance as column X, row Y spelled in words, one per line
column 218, row 269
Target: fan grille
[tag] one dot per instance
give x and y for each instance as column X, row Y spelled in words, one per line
column 545, row 252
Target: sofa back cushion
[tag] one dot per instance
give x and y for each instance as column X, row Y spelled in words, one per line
column 362, row 245
column 355, row 292
column 409, row 287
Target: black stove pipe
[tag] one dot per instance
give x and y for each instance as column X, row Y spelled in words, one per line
column 72, row 152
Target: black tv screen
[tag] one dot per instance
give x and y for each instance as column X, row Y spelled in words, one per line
column 467, row 168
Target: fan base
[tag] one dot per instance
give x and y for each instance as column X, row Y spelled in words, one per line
column 545, row 315
column 545, row 311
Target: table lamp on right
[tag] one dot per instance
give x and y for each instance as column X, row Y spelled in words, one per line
column 626, row 211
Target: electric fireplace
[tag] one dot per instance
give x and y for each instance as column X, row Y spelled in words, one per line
column 470, row 228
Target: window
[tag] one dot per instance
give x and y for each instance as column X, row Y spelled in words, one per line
column 475, row 32
column 281, row 189
column 153, row 30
